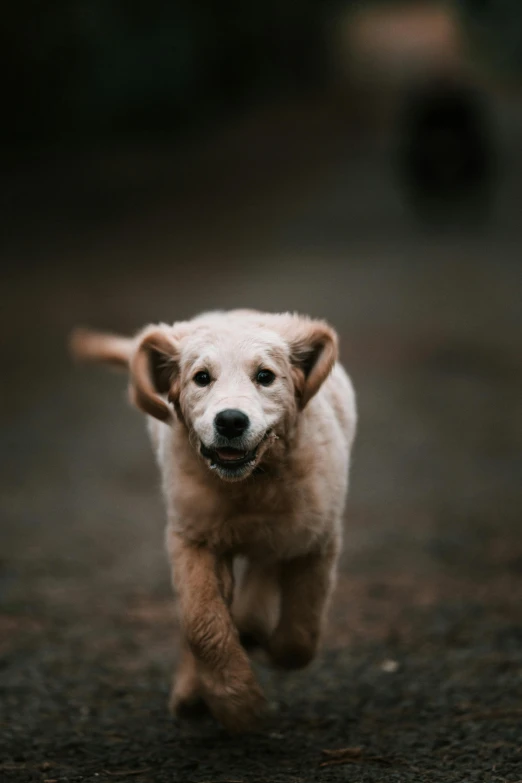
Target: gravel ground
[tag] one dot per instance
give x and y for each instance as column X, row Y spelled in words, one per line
column 421, row 674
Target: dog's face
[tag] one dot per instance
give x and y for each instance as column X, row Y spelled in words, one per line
column 236, row 395
column 236, row 380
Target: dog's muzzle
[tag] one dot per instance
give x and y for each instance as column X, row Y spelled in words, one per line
column 230, row 459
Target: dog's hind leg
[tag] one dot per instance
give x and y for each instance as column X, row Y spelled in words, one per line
column 186, row 700
column 256, row 604
column 306, row 584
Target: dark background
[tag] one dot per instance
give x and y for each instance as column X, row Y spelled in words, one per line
column 161, row 159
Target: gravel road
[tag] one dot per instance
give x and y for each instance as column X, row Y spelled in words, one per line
column 421, row 674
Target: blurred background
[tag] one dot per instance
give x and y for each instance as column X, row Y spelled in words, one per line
column 358, row 161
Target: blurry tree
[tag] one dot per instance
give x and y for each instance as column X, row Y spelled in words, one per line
column 75, row 67
column 495, row 27
column 43, row 64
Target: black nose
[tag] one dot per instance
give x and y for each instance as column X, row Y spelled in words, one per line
column 231, row 423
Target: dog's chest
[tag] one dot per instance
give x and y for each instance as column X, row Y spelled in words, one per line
column 274, row 523
column 262, row 537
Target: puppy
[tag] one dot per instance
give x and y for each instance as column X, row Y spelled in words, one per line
column 252, row 421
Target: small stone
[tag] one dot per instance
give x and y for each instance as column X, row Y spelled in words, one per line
column 389, row 666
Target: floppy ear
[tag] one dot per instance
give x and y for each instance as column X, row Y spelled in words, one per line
column 313, row 353
column 153, row 371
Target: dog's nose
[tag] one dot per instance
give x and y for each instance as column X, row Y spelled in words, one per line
column 231, row 423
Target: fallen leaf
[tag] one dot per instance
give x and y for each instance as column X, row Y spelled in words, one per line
column 352, row 756
column 342, row 752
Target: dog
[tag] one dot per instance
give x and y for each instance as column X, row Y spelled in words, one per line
column 252, row 421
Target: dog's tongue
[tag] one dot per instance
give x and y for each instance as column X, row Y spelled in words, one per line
column 230, row 454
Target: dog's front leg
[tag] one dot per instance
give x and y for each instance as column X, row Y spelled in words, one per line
column 204, row 586
column 306, row 586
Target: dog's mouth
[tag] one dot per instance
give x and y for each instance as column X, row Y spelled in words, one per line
column 235, row 462
column 228, row 457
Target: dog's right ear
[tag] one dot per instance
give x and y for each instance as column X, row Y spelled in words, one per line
column 151, row 357
column 153, row 371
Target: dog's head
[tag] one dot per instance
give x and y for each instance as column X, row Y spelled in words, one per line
column 237, row 381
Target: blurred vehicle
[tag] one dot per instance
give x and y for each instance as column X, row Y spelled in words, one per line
column 380, row 49
column 409, row 75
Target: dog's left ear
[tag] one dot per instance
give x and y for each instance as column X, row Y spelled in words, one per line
column 313, row 353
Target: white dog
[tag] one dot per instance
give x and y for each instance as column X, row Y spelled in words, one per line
column 252, row 421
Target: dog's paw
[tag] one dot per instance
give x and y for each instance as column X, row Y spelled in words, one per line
column 187, row 707
column 186, row 699
column 292, row 652
column 250, row 642
column 239, row 705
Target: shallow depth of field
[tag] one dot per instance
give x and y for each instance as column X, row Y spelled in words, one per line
column 363, row 167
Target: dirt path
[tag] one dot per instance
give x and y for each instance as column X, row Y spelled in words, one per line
column 421, row 676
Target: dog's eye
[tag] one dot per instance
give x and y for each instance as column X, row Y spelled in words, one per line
column 265, row 377
column 202, row 378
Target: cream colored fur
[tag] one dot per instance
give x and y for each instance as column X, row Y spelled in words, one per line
column 253, row 554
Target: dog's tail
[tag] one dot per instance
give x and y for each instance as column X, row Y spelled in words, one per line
column 89, row 346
